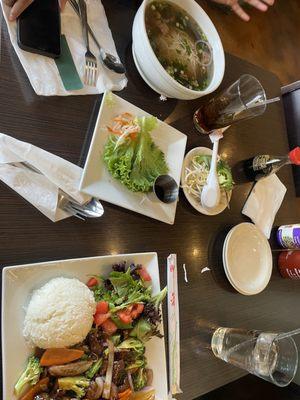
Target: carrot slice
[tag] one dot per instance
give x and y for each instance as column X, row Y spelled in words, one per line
column 125, row 395
column 60, row 356
column 41, row 386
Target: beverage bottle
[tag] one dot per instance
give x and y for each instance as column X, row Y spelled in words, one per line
column 262, row 166
column 289, row 264
column 288, row 236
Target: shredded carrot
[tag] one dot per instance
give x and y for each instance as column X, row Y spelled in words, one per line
column 124, row 125
column 41, row 386
column 125, row 395
column 60, row 356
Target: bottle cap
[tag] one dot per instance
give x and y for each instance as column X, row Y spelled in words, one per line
column 294, row 155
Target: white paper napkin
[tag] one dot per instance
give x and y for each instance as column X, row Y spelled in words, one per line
column 41, row 190
column 264, row 201
column 42, row 71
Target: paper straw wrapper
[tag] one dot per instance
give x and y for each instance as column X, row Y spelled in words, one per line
column 173, row 326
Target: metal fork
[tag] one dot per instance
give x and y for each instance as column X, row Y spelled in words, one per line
column 91, row 68
column 92, row 209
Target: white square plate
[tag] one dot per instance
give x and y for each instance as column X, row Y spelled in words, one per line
column 97, row 181
column 18, row 282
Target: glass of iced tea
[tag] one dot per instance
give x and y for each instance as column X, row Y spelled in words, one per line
column 242, row 100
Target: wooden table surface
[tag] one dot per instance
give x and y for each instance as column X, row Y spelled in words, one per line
column 59, row 125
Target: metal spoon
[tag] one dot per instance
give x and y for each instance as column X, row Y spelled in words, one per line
column 109, row 60
column 92, row 209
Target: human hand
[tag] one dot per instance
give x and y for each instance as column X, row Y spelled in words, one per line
column 235, row 6
column 18, row 6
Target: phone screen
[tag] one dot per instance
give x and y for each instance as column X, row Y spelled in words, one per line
column 39, row 28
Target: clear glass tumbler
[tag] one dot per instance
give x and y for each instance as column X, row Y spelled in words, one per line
column 270, row 356
column 244, row 99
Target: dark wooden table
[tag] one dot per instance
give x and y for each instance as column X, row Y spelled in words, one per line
column 59, row 125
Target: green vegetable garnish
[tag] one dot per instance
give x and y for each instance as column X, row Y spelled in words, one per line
column 90, row 373
column 158, row 299
column 136, row 163
column 132, row 344
column 77, row 384
column 223, row 170
column 142, row 330
column 139, row 379
column 30, row 376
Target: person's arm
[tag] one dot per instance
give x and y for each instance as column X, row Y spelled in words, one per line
column 235, row 6
column 18, row 6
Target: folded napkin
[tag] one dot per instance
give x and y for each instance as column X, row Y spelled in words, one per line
column 264, row 201
column 40, row 189
column 42, row 71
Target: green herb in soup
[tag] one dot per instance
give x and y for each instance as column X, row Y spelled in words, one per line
column 179, row 44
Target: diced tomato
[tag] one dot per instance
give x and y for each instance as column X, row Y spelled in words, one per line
column 144, row 274
column 92, row 282
column 99, row 319
column 137, row 310
column 102, row 307
column 125, row 317
column 109, row 327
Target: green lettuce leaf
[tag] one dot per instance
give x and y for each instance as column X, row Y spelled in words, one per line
column 135, row 163
column 142, row 330
column 132, row 344
column 149, row 160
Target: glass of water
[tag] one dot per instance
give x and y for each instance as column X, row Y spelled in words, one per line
column 242, row 100
column 270, row 356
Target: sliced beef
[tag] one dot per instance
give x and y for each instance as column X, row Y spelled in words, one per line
column 96, row 342
column 119, row 372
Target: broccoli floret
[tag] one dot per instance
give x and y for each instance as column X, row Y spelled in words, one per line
column 94, row 369
column 77, row 384
column 140, row 379
column 30, row 376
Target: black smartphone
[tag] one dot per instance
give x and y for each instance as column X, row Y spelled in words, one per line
column 38, row 28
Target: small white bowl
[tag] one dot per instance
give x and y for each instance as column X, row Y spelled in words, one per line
column 247, row 259
column 151, row 69
column 203, row 151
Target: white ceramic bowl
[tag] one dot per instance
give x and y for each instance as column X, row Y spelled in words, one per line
column 191, row 199
column 151, row 69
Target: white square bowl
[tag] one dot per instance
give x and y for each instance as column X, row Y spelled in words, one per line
column 18, row 282
column 97, row 181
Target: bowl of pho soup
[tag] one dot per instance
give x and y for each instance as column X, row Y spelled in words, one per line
column 177, row 49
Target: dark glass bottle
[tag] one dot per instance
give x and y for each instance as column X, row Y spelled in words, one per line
column 264, row 165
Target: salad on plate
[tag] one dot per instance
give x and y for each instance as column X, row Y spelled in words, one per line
column 90, row 339
column 130, row 154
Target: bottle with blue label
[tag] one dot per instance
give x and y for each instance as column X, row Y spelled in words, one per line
column 288, row 236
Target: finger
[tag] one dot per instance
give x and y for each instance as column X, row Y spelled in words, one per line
column 258, row 4
column 240, row 12
column 9, row 3
column 18, row 8
column 62, row 4
column 269, row 2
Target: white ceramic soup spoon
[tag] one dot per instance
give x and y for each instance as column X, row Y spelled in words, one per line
column 210, row 195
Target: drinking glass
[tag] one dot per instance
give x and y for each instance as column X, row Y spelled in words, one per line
column 244, row 99
column 270, row 356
